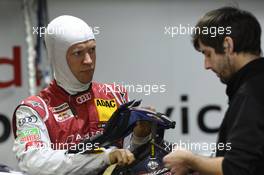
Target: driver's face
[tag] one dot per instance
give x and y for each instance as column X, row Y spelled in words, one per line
column 81, row 58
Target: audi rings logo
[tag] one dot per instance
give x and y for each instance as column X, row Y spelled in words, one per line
column 29, row 119
column 83, row 98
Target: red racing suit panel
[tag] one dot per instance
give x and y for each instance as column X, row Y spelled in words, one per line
column 55, row 117
column 75, row 117
column 71, row 118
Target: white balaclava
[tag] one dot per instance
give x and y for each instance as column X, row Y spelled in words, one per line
column 63, row 32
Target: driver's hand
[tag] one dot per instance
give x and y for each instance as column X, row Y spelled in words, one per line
column 121, row 156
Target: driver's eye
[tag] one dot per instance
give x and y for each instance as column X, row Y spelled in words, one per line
column 77, row 53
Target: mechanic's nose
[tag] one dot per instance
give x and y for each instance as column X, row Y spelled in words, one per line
column 207, row 64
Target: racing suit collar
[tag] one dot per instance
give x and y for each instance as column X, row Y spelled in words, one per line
column 76, row 99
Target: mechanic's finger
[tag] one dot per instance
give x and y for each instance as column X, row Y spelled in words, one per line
column 167, row 165
column 173, row 170
column 166, row 159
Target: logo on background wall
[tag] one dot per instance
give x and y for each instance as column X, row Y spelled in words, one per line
column 105, row 108
column 83, row 98
column 62, row 112
column 15, row 63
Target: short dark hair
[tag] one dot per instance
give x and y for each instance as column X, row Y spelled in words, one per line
column 245, row 30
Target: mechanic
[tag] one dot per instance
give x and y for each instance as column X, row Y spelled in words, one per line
column 235, row 57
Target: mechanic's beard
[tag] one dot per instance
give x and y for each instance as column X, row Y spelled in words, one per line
column 227, row 68
column 223, row 79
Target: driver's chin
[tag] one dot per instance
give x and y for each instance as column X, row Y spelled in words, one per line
column 85, row 78
column 85, row 81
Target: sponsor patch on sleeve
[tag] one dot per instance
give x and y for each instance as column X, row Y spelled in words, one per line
column 29, row 135
column 105, row 108
column 27, row 120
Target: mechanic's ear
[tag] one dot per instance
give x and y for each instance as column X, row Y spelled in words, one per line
column 228, row 45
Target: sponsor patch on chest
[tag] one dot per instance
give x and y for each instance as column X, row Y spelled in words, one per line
column 105, row 108
column 62, row 113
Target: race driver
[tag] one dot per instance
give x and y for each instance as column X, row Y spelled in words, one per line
column 70, row 109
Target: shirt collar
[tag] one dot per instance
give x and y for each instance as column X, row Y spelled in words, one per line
column 244, row 74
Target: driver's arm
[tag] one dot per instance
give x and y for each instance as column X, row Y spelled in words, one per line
column 35, row 156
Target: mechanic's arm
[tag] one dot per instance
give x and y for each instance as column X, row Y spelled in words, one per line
column 206, row 165
column 183, row 161
column 246, row 137
column 35, row 155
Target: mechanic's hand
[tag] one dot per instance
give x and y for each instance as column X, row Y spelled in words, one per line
column 143, row 128
column 121, row 157
column 178, row 161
